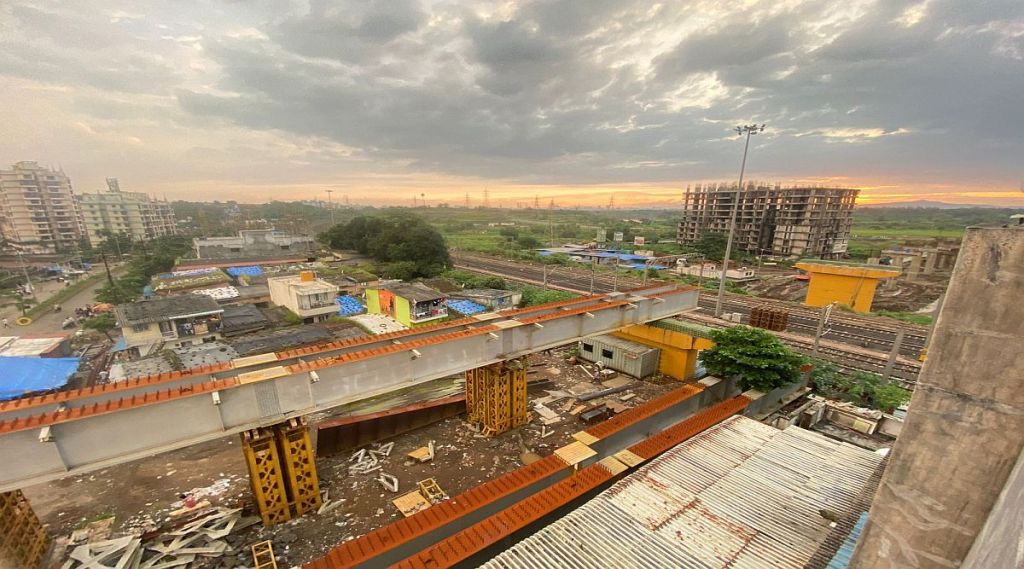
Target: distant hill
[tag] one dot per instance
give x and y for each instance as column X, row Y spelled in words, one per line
column 929, row 204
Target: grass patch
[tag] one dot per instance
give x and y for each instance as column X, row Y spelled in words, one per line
column 911, row 317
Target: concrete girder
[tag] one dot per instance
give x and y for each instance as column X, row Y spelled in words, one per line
column 84, row 437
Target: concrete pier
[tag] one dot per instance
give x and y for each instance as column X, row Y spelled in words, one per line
column 962, row 437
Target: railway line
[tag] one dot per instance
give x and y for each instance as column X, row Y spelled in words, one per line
column 851, row 342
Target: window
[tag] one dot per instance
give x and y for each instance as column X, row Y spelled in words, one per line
column 140, row 327
column 607, row 354
column 589, row 348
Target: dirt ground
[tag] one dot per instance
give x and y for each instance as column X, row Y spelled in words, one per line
column 141, row 494
column 899, row 296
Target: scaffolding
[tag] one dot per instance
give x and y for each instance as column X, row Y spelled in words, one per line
column 23, row 538
column 771, row 219
column 282, row 471
column 496, row 397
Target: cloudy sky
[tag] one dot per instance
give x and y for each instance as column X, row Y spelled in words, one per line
column 574, row 100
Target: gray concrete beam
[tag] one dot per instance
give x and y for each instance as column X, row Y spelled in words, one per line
column 99, row 441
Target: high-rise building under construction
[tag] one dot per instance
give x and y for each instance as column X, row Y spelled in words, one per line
column 797, row 222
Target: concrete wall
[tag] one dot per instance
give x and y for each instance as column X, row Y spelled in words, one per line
column 962, row 436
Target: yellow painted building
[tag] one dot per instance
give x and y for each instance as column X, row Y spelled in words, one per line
column 679, row 350
column 850, row 284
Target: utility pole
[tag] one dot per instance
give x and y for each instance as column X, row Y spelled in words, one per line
column 110, row 277
column 330, row 205
column 28, row 281
column 825, row 312
column 593, row 271
column 741, row 130
column 891, row 363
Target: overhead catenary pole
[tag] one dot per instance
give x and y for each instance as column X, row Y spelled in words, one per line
column 741, row 130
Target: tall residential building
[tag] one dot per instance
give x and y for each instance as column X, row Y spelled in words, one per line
column 38, row 213
column 132, row 213
column 797, row 222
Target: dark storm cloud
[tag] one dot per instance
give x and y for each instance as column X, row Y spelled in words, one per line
column 568, row 91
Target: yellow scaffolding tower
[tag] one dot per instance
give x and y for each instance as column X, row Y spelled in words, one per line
column 282, row 470
column 299, row 465
column 23, row 538
column 496, row 397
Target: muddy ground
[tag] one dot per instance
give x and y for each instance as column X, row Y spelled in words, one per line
column 141, row 494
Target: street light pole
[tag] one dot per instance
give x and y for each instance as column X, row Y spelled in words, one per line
column 741, row 130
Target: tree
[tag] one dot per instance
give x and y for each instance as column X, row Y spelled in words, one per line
column 101, row 323
column 754, row 356
column 712, row 245
column 887, row 397
column 403, row 242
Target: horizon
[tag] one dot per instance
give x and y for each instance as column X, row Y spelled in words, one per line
column 382, row 101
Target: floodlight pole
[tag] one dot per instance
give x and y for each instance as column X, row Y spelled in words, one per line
column 741, row 130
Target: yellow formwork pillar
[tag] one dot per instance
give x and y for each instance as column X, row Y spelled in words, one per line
column 678, row 350
column 23, row 538
column 299, row 461
column 496, row 398
column 265, row 476
column 849, row 284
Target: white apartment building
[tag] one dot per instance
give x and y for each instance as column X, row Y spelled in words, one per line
column 38, row 212
column 132, row 213
column 306, row 295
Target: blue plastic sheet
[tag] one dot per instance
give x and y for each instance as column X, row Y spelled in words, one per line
column 22, row 375
column 465, row 307
column 251, row 271
column 348, row 306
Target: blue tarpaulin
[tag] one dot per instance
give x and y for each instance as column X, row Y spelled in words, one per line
column 120, row 345
column 22, row 375
column 465, row 307
column 348, row 306
column 252, row 271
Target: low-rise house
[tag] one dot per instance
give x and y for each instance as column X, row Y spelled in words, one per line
column 304, row 294
column 493, row 298
column 176, row 320
column 408, row 303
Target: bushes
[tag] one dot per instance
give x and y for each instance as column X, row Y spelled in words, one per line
column 533, row 295
column 860, row 388
column 755, row 356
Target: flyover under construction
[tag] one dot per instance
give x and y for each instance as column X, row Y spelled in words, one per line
column 58, row 435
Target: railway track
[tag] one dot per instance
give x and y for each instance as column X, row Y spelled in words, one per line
column 852, row 343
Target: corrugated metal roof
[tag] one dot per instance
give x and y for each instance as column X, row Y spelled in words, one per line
column 845, row 554
column 741, row 494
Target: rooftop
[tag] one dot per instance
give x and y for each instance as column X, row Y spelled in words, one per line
column 416, row 292
column 306, row 287
column 484, row 292
column 741, row 494
column 161, row 309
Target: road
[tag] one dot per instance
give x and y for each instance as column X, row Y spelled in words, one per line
column 869, row 337
column 49, row 322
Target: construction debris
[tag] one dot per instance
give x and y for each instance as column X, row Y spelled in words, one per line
column 263, row 555
column 423, row 454
column 120, row 553
column 411, row 503
column 431, row 491
column 388, row 481
column 366, row 461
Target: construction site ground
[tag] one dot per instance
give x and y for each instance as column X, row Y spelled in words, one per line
column 141, row 495
column 897, row 295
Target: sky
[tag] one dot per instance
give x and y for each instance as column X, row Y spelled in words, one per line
column 565, row 101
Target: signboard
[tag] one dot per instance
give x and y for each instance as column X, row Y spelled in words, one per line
column 638, row 240
column 602, row 235
column 617, row 237
column 840, row 246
